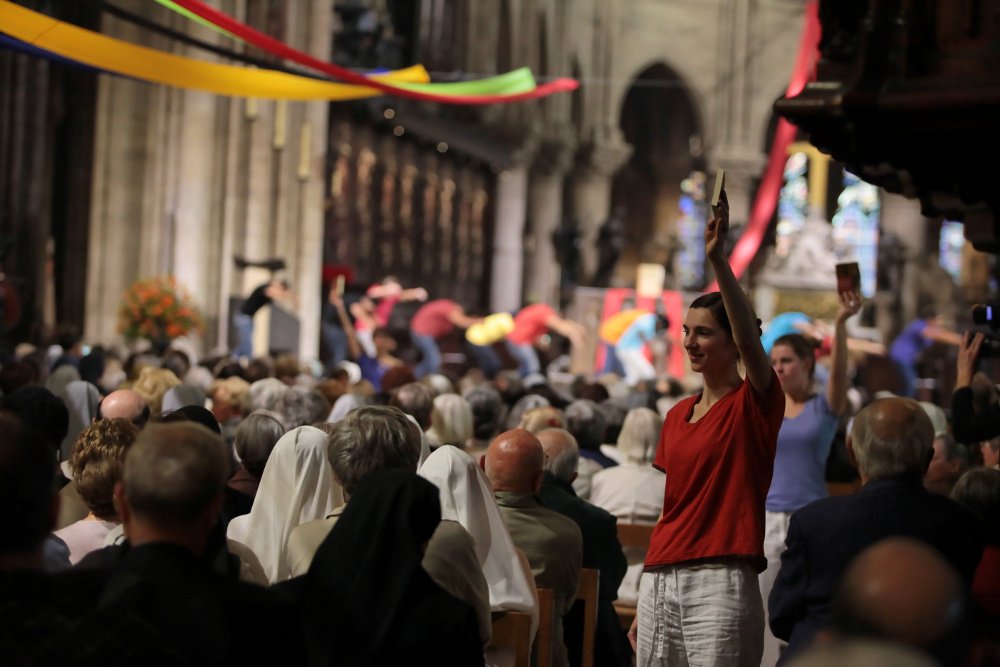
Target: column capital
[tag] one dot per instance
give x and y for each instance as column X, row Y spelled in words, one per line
column 554, row 157
column 602, row 159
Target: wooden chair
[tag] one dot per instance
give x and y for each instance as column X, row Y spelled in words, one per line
column 586, row 592
column 632, row 536
column 842, row 488
column 512, row 629
column 543, row 639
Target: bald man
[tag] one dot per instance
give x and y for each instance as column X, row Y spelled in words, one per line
column 891, row 443
column 126, row 404
column 902, row 590
column 514, row 465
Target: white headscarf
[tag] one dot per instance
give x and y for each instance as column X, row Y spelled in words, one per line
column 297, row 486
column 466, row 497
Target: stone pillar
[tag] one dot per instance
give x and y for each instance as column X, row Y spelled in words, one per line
column 591, row 195
column 901, row 217
column 545, row 204
column 508, row 235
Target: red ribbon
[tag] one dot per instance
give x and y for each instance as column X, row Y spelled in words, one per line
column 279, row 48
column 767, row 195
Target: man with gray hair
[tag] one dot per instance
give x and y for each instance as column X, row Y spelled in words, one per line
column 601, row 549
column 891, row 444
column 384, row 438
column 169, row 500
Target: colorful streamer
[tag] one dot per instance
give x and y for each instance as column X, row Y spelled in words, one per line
column 117, row 56
column 767, row 194
column 482, row 91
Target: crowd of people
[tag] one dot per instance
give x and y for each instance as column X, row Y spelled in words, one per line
column 243, row 510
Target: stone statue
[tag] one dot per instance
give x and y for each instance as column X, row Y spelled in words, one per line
column 610, row 245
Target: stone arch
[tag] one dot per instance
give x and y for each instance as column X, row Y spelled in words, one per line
column 660, row 119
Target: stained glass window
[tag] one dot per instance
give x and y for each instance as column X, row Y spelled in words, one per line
column 793, row 202
column 689, row 262
column 950, row 246
column 855, row 228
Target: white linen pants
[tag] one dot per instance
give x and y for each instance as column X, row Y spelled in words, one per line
column 775, row 531
column 700, row 616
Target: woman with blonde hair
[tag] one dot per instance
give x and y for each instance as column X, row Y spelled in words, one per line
column 153, row 384
column 451, row 421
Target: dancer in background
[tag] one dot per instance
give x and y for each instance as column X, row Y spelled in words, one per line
column 530, row 324
column 433, row 321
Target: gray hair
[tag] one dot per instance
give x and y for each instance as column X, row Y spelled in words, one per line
column 451, row 420
column 892, row 444
column 586, row 422
column 264, row 394
column 563, row 464
column 174, row 472
column 255, row 438
column 639, row 435
column 416, row 400
column 954, row 450
column 300, row 406
column 369, row 439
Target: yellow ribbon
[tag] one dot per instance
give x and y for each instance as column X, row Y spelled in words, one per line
column 115, row 55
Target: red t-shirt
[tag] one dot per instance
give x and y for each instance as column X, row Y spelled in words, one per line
column 432, row 318
column 718, row 474
column 530, row 323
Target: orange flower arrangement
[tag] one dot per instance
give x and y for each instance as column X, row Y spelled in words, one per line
column 157, row 309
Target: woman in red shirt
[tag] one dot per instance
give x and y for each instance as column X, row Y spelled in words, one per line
column 699, row 600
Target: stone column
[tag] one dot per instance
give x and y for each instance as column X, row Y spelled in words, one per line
column 508, row 236
column 591, row 195
column 901, row 217
column 545, row 204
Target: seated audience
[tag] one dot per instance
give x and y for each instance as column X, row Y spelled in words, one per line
column 153, row 384
column 540, row 419
column 227, row 397
column 586, row 422
column 126, row 404
column 891, row 443
column 97, row 461
column 633, row 490
column 451, row 421
column 256, row 437
column 466, row 497
column 367, row 600
column 169, row 499
column 601, row 549
column 950, row 460
column 487, row 415
column 979, row 490
column 297, row 487
column 903, row 590
column 552, row 542
column 182, row 395
column 383, row 438
column 81, row 399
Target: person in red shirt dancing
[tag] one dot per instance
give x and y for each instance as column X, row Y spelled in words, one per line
column 699, row 599
column 530, row 324
column 433, row 321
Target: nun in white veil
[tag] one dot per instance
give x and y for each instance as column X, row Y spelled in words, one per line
column 466, row 497
column 297, row 486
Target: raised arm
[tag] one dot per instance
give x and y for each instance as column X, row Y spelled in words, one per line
column 746, row 331
column 458, row 317
column 836, row 388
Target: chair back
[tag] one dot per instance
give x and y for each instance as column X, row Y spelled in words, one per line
column 543, row 640
column 586, row 592
column 512, row 629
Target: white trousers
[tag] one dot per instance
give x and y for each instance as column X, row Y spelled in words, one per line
column 775, row 532
column 637, row 367
column 700, row 616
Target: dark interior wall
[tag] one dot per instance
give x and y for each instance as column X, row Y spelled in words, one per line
column 47, row 113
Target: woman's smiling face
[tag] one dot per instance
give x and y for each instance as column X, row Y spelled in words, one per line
column 708, row 345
